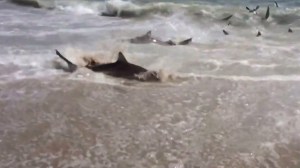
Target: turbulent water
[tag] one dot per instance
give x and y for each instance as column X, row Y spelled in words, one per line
column 225, row 101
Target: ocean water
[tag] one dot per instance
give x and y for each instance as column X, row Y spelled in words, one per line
column 225, row 101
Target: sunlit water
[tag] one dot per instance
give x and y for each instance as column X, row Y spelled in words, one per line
column 224, row 102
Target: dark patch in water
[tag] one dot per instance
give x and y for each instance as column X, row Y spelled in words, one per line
column 285, row 19
column 31, row 3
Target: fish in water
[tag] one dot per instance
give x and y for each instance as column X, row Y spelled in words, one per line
column 252, row 10
column 290, row 30
column 120, row 69
column 225, row 32
column 148, row 38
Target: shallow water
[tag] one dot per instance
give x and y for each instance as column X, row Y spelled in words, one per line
column 225, row 102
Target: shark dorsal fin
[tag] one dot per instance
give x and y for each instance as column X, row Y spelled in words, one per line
column 148, row 34
column 121, row 58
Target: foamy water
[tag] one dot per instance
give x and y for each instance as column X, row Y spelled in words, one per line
column 225, row 101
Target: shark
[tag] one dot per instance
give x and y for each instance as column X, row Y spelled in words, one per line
column 121, row 68
column 148, row 38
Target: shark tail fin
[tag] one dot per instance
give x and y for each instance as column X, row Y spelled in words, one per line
column 276, row 4
column 267, row 13
column 185, row 42
column 72, row 67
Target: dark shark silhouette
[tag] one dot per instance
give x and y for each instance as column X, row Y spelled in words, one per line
column 144, row 39
column 30, row 3
column 122, row 14
column 258, row 34
column 121, row 69
column 185, row 42
column 276, row 4
column 225, row 32
column 148, row 38
column 227, row 18
column 267, row 13
column 34, row 4
column 71, row 67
